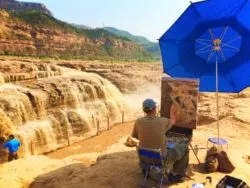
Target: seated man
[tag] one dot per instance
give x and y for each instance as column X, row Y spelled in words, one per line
column 13, row 145
column 150, row 131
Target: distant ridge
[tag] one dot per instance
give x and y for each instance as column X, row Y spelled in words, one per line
column 81, row 26
column 151, row 47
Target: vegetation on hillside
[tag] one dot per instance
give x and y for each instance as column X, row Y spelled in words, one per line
column 35, row 17
column 151, row 47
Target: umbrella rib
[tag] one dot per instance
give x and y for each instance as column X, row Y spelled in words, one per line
column 222, row 55
column 211, row 33
column 203, row 52
column 210, row 45
column 211, row 55
column 237, row 49
column 226, row 49
column 231, row 40
column 202, row 42
column 223, row 34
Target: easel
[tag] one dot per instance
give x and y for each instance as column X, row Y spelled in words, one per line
column 195, row 153
column 173, row 92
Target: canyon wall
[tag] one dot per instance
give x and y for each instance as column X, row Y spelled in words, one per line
column 37, row 34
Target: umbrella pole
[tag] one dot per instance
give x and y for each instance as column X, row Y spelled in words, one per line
column 217, row 104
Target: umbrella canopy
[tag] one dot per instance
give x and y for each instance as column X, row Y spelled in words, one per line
column 208, row 33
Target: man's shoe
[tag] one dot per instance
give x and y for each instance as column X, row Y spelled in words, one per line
column 179, row 178
column 176, row 178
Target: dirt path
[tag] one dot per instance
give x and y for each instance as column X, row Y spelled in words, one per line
column 95, row 144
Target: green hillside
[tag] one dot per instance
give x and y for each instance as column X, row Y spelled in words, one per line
column 151, row 47
column 37, row 18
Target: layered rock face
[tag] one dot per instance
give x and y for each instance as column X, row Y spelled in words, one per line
column 128, row 77
column 36, row 34
column 50, row 111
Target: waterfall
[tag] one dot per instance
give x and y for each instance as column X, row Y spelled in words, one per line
column 49, row 113
column 1, row 79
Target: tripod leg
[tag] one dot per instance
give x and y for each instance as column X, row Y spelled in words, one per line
column 195, row 153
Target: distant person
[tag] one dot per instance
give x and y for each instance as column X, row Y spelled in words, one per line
column 150, row 131
column 12, row 145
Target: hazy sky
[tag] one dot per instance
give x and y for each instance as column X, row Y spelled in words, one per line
column 149, row 18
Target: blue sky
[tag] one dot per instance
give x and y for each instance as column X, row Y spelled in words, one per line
column 149, row 18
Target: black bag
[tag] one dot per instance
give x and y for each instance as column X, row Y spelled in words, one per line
column 231, row 182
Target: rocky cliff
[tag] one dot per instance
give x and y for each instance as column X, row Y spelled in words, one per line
column 16, row 6
column 33, row 33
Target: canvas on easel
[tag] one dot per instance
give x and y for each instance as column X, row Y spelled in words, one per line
column 183, row 92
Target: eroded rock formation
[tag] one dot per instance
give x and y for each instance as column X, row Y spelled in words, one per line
column 128, row 77
column 47, row 112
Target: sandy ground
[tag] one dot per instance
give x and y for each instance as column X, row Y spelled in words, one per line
column 117, row 165
column 122, row 160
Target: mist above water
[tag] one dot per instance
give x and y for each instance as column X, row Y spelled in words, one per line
column 143, row 92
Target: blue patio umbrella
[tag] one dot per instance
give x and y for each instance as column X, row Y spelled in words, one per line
column 210, row 41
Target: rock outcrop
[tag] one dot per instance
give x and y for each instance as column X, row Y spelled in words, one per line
column 17, row 6
column 128, row 77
